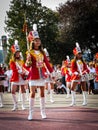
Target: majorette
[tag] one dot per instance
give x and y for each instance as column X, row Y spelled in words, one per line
column 37, row 72
column 78, row 67
column 79, row 70
column 17, row 78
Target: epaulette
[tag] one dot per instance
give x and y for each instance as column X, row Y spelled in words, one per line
column 73, row 60
column 11, row 60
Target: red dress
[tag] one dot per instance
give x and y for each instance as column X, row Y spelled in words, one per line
column 17, row 78
column 38, row 70
column 78, row 69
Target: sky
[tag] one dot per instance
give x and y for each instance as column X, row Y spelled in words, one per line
column 4, row 6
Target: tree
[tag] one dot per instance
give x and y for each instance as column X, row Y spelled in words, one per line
column 30, row 12
column 79, row 23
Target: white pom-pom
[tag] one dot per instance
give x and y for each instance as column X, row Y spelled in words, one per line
column 77, row 44
column 16, row 42
column 34, row 27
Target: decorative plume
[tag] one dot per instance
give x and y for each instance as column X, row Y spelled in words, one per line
column 68, row 58
column 77, row 44
column 16, row 42
column 34, row 27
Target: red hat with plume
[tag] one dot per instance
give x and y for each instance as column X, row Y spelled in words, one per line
column 15, row 47
column 33, row 34
column 77, row 49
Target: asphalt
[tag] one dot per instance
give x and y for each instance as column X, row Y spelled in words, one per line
column 60, row 116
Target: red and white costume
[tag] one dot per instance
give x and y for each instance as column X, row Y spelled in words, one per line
column 79, row 70
column 37, row 72
column 17, row 77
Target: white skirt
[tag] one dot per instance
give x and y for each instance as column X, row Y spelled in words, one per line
column 38, row 82
column 20, row 82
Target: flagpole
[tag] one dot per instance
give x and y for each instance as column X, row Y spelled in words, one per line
column 26, row 31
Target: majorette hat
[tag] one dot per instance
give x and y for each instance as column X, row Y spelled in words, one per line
column 77, row 49
column 15, row 47
column 67, row 61
column 33, row 34
column 46, row 52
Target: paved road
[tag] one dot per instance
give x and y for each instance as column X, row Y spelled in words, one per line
column 59, row 115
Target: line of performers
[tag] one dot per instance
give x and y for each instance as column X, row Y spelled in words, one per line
column 37, row 72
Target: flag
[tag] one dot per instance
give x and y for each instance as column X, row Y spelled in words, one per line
column 24, row 27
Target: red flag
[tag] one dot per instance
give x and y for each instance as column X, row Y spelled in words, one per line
column 24, row 27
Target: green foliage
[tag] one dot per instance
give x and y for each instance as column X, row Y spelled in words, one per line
column 79, row 23
column 32, row 12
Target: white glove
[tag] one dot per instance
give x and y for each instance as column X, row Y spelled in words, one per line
column 20, row 71
column 27, row 72
column 76, row 73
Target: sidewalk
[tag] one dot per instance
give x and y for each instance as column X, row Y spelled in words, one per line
column 59, row 115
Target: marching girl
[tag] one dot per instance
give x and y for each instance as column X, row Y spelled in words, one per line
column 79, row 70
column 68, row 76
column 17, row 78
column 37, row 72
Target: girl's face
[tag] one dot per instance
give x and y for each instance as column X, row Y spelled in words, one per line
column 37, row 43
column 79, row 55
column 17, row 56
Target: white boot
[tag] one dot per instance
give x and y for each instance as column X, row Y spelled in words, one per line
column 73, row 94
column 23, row 101
column 51, row 96
column 68, row 92
column 15, row 102
column 42, row 107
column 31, row 109
column 1, row 99
column 84, row 98
column 27, row 94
